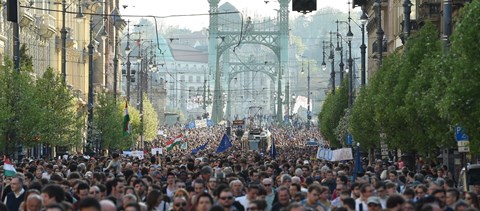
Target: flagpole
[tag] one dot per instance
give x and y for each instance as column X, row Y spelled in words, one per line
column 3, row 186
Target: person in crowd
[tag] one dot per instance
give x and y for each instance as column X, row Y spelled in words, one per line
column 107, row 205
column 52, row 194
column 203, row 203
column 156, row 202
column 452, row 195
column 313, row 196
column 472, row 199
column 395, row 203
column 180, row 204
column 89, row 204
column 252, row 192
column 257, row 205
column 17, row 194
column 34, row 202
column 373, row 204
column 366, row 191
column 283, row 195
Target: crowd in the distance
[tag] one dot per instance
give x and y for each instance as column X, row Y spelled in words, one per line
column 235, row 180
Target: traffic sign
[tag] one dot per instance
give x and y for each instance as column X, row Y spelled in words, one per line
column 460, row 135
column 464, row 149
column 463, row 143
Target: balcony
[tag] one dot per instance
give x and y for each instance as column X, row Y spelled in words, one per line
column 47, row 26
column 26, row 17
column 429, row 10
column 375, row 48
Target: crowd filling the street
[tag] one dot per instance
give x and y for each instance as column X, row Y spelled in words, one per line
column 228, row 176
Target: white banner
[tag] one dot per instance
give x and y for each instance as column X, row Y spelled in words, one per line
column 334, row 155
column 155, row 150
column 200, row 123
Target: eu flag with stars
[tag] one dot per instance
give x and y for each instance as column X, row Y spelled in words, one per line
column 224, row 144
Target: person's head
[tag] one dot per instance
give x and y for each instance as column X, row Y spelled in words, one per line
column 373, row 203
column 440, row 196
column 94, row 192
column 349, row 203
column 395, row 202
column 154, row 198
column 225, row 198
column 204, row 202
column 34, row 202
column 294, row 188
column 133, row 207
column 53, row 194
column 267, row 184
column 408, row 206
column 286, row 180
column 16, row 184
column 313, row 194
column 283, row 195
column 366, row 190
column 117, row 187
column 54, row 207
column 199, row 186
column 380, row 188
column 212, row 183
column 393, row 175
column 356, row 189
column 129, row 198
column 257, row 205
column 252, row 191
column 472, row 199
column 140, row 187
column 452, row 196
column 89, row 204
column 421, row 191
column 295, row 207
column 179, row 204
column 461, row 205
column 324, row 193
column 236, row 186
column 107, row 205
column 82, row 190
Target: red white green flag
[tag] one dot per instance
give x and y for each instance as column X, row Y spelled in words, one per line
column 8, row 168
column 174, row 142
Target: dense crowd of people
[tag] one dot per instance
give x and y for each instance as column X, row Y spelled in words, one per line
column 234, row 180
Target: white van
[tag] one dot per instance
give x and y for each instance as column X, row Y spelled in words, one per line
column 469, row 178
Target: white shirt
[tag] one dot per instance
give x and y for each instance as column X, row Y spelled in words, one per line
column 243, row 201
column 358, row 203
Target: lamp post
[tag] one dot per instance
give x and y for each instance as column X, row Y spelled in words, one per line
column 331, row 58
column 127, row 52
column 324, row 65
column 350, row 61
column 378, row 4
column 309, row 116
column 363, row 22
column 63, row 33
column 339, row 48
column 90, row 91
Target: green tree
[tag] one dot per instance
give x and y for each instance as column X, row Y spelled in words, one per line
column 362, row 121
column 461, row 102
column 59, row 122
column 150, row 120
column 333, row 110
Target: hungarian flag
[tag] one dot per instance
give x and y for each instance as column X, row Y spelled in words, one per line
column 8, row 169
column 174, row 142
column 126, row 121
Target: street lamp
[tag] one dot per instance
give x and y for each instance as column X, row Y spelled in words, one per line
column 127, row 52
column 324, row 65
column 380, row 33
column 331, row 58
column 363, row 22
column 339, row 48
column 63, row 33
column 350, row 73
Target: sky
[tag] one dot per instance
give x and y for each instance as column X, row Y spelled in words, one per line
column 188, row 7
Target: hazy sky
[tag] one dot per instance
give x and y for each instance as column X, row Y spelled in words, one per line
column 186, row 7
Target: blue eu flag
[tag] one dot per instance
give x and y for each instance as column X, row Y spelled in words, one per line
column 224, row 144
